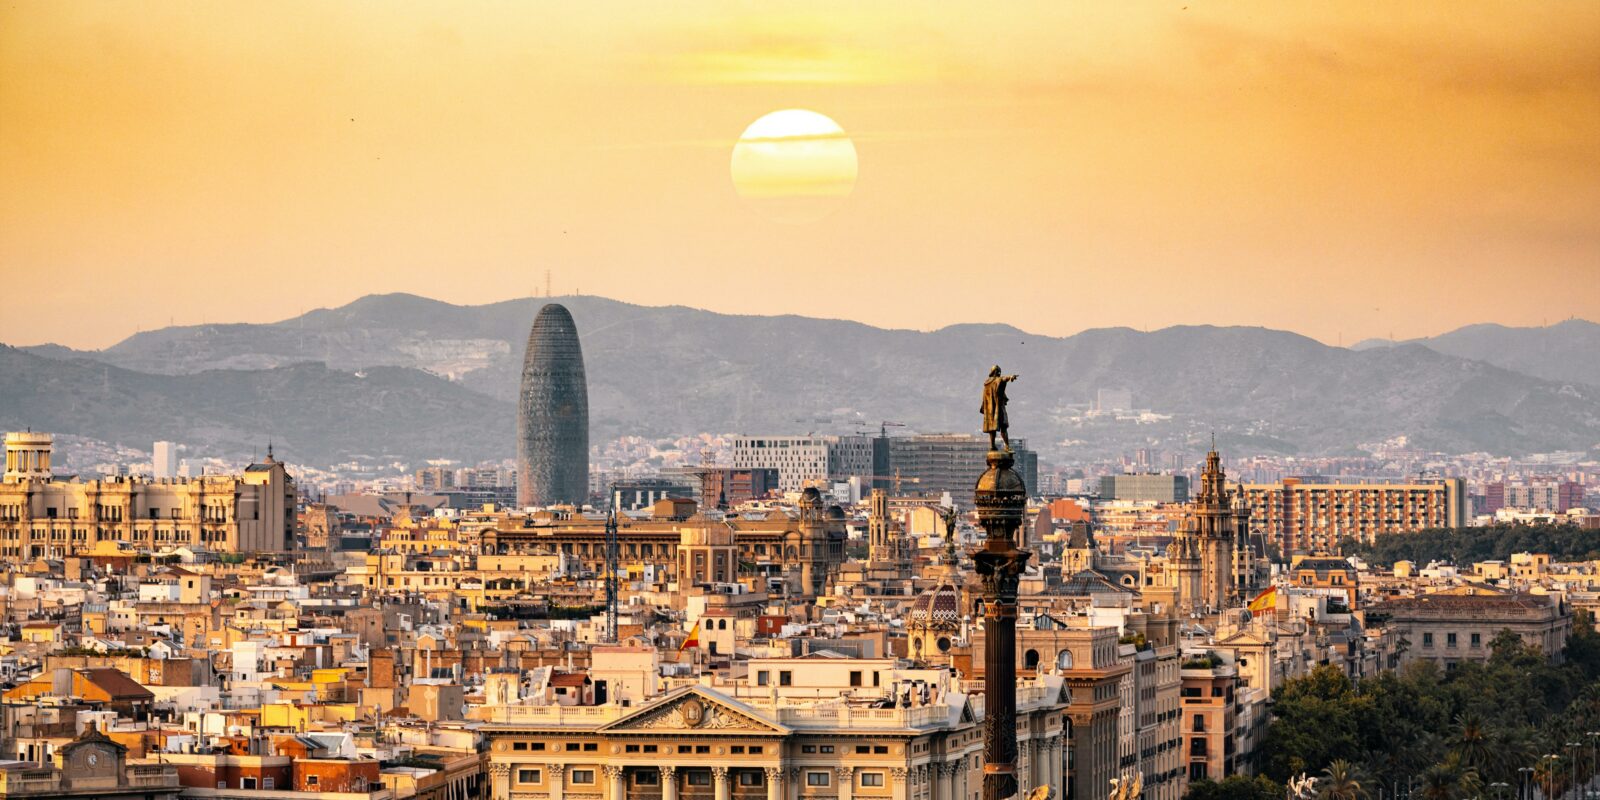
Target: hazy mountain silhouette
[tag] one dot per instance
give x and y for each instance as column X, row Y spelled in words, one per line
column 1565, row 352
column 670, row 370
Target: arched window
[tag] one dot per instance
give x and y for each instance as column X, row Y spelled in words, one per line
column 1064, row 659
column 1030, row 659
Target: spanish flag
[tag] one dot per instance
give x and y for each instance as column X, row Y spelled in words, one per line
column 1265, row 600
column 693, row 640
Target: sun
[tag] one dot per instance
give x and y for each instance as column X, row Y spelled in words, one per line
column 794, row 165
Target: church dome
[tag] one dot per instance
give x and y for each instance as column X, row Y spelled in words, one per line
column 938, row 606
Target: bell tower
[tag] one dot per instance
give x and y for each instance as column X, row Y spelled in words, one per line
column 1214, row 527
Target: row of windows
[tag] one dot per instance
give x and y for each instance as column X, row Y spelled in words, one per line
column 1450, row 640
column 696, row 777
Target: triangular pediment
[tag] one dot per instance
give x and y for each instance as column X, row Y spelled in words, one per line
column 696, row 709
column 1242, row 638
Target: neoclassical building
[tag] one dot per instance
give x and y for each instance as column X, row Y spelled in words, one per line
column 700, row 743
column 45, row 516
column 804, row 547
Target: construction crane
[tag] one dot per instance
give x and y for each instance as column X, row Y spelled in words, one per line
column 613, row 557
column 883, row 426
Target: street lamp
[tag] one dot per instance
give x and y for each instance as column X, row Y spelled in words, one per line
column 1524, row 775
column 1572, row 747
column 1594, row 755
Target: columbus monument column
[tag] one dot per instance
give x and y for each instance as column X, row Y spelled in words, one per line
column 1002, row 499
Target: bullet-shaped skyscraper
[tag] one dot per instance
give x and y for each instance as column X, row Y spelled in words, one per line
column 553, row 414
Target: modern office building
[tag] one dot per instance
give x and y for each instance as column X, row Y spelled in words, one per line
column 1312, row 515
column 553, row 414
column 164, row 464
column 1145, row 488
column 932, row 464
column 811, row 460
column 43, row 516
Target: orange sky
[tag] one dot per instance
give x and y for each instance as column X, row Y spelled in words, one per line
column 1342, row 169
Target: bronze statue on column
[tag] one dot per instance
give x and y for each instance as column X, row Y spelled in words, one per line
column 1002, row 499
column 994, row 407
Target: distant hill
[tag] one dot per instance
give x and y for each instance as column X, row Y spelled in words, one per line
column 1566, row 352
column 311, row 414
column 672, row 370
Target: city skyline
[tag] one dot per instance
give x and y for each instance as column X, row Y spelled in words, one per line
column 1140, row 167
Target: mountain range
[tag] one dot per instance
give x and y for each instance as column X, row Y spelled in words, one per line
column 408, row 378
column 1565, row 351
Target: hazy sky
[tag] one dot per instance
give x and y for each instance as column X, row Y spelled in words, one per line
column 1344, row 169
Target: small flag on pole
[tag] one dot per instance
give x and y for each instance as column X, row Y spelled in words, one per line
column 693, row 640
column 1265, row 600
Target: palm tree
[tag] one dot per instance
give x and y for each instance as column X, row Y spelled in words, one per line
column 1450, row 780
column 1551, row 776
column 1471, row 741
column 1342, row 780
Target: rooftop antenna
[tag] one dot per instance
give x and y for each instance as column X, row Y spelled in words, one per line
column 547, row 283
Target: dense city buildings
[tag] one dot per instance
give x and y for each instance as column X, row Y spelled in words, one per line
column 830, row 640
column 553, row 414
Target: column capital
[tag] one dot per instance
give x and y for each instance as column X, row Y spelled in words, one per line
column 845, row 773
column 899, row 773
column 774, row 773
column 720, row 773
column 556, row 770
column 612, row 771
column 500, row 770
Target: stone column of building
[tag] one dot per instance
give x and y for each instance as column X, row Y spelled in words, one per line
column 1001, row 498
column 1026, row 780
column 669, row 782
column 900, row 777
column 719, row 776
column 951, row 774
column 847, row 781
column 774, row 783
column 614, row 779
column 1053, row 757
column 500, row 780
column 557, row 774
column 794, row 784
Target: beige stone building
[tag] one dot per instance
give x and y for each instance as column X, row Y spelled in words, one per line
column 699, row 743
column 1456, row 625
column 42, row 516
